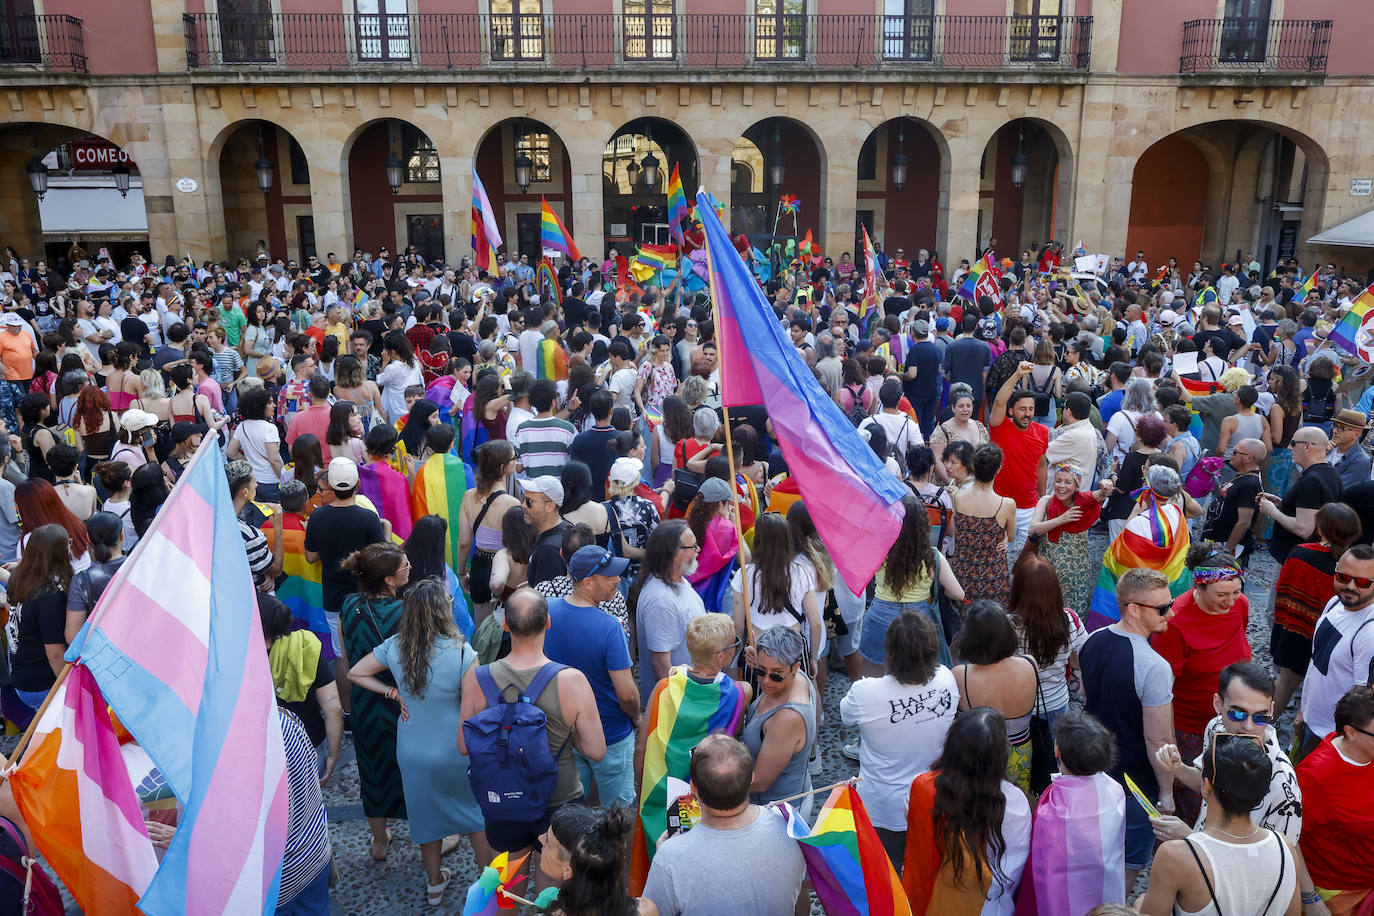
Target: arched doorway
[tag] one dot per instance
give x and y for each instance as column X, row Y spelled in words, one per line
column 1226, row 190
column 501, row 164
column 635, row 169
column 92, row 195
column 1025, row 187
column 903, row 179
column 265, row 187
column 774, row 157
column 394, row 191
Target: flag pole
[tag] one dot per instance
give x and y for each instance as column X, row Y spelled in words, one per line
column 843, row 782
column 18, row 751
column 729, row 443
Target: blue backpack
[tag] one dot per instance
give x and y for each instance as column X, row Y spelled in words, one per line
column 510, row 765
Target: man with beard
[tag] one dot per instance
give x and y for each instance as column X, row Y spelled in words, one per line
column 1023, row 443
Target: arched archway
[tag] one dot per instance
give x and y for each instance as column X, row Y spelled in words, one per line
column 903, row 179
column 516, row 209
column 1025, row 187
column 635, row 168
column 411, row 213
column 82, row 206
column 780, row 156
column 268, row 208
column 1225, row 190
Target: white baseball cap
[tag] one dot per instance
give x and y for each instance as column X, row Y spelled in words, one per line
column 343, row 474
column 548, row 484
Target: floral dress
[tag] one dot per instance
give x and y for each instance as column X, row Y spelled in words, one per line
column 980, row 558
column 659, row 382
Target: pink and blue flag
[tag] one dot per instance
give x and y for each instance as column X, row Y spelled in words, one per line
column 177, row 650
column 1077, row 855
column 854, row 500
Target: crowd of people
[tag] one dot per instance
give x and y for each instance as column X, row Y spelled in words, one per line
column 506, row 537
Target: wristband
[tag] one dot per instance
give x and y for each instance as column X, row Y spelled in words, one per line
column 1311, row 897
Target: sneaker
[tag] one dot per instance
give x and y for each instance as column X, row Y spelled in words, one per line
column 851, row 751
column 814, row 765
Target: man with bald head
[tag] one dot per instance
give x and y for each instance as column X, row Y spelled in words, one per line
column 1231, row 515
column 1295, row 516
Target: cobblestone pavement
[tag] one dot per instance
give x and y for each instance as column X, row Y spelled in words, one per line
column 366, row 888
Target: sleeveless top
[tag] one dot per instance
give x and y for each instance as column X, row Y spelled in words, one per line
column 1018, row 727
column 1248, row 426
column 1234, row 886
column 560, row 732
column 794, row 778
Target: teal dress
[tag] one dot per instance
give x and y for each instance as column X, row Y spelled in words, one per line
column 438, row 794
column 366, row 624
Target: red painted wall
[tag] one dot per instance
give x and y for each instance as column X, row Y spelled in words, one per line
column 118, row 36
column 1152, row 33
column 1168, row 202
column 1008, row 203
column 801, row 176
column 1349, row 49
column 911, row 213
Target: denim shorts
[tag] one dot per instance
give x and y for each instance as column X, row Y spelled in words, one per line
column 879, row 616
column 1140, row 836
column 612, row 775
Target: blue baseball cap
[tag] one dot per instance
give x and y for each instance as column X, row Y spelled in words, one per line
column 595, row 561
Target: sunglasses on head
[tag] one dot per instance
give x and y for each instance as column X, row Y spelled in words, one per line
column 1359, row 581
column 1240, row 715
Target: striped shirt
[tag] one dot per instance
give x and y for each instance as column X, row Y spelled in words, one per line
column 227, row 363
column 542, row 445
column 259, row 553
column 307, row 833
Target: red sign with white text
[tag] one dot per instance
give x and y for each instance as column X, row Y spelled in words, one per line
column 97, row 156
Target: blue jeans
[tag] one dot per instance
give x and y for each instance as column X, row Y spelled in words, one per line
column 1140, row 836
column 313, row 899
column 613, row 775
column 880, row 614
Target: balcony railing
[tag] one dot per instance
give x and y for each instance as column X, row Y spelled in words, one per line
column 1248, row 45
column 54, row 42
column 610, row 41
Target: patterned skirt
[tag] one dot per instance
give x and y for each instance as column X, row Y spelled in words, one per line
column 1073, row 561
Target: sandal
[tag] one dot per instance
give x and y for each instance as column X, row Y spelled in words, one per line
column 450, row 844
column 385, row 849
column 436, row 891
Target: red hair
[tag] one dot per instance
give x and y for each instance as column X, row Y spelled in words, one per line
column 91, row 406
column 1037, row 605
column 39, row 505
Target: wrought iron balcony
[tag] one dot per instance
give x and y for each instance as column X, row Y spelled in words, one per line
column 1245, row 45
column 613, row 41
column 53, row 42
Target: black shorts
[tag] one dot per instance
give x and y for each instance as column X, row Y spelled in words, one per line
column 512, row 836
column 479, row 577
column 1290, row 650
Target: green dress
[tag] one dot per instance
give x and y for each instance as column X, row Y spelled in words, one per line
column 366, row 624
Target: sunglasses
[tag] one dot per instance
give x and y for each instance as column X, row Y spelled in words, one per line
column 1240, row 715
column 1160, row 609
column 1366, row 733
column 733, row 647
column 775, row 677
column 1360, row 581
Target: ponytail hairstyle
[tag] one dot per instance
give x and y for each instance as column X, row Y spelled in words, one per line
column 594, row 838
column 1339, row 526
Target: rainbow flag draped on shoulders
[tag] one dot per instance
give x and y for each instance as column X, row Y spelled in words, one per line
column 846, row 861
column 439, row 487
column 388, row 491
column 551, row 360
column 1080, row 823
column 1156, row 539
column 302, row 589
column 854, row 500
column 682, row 711
column 552, row 235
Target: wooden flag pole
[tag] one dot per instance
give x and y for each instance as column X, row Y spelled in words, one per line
column 17, row 754
column 516, row 897
column 836, row 785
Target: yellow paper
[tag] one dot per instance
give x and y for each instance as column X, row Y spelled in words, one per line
column 1140, row 797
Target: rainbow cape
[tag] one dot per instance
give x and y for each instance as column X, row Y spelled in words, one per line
column 486, row 237
column 1158, row 539
column 677, row 207
column 1080, row 821
column 552, row 234
column 439, row 487
column 389, row 492
column 1346, row 332
column 551, row 361
column 546, row 281
column 682, row 711
column 302, row 588
column 846, row 861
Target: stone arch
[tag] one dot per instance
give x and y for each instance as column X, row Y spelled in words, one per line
column 916, row 215
column 515, row 208
column 629, row 203
column 804, row 176
column 240, row 213
column 377, row 216
column 1042, row 209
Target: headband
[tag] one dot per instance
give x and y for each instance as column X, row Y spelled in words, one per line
column 1207, row 574
column 1066, row 466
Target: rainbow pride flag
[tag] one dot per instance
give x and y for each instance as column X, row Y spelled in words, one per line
column 1306, row 289
column 551, row 361
column 870, row 299
column 846, row 861
column 553, row 235
column 682, row 711
column 1197, row 388
column 302, row 589
column 970, row 284
column 677, row 207
column 1158, row 539
column 1346, row 332
column 389, row 493
column 439, row 487
column 546, row 281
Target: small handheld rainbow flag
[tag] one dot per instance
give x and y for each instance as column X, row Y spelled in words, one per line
column 677, row 206
column 546, row 281
column 1346, row 332
column 1140, row 796
column 846, row 861
column 870, row 299
column 1159, row 277
column 970, row 284
column 553, row 235
column 1307, row 287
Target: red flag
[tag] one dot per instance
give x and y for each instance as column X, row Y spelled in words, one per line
column 870, row 299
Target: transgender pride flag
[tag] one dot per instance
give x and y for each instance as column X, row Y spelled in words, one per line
column 854, row 500
column 176, row 647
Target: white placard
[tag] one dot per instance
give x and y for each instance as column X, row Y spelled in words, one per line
column 1185, row 363
column 1085, row 263
column 188, row 185
column 1361, row 187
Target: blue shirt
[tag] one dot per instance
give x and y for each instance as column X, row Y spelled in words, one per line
column 1301, row 338
column 593, row 642
column 1109, row 404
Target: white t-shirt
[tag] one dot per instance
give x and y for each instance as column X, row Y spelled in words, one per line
column 394, row 380
column 1123, row 425
column 258, row 439
column 902, row 728
column 803, row 581
column 1342, row 654
column 1016, row 833
column 622, row 385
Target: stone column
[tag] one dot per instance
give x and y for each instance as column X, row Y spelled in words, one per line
column 961, row 241
column 585, row 152
column 329, row 201
column 840, row 185
column 169, row 35
column 455, row 178
column 19, row 223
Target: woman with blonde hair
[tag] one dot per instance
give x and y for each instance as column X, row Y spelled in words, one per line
column 427, row 658
column 154, row 398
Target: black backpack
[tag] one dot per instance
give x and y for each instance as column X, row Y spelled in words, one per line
column 1044, row 401
column 858, row 413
